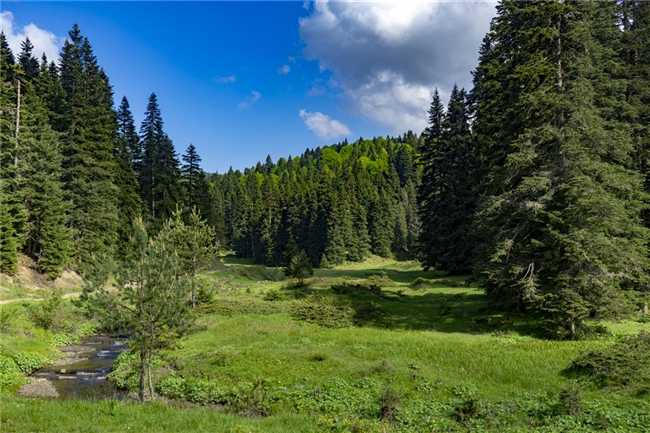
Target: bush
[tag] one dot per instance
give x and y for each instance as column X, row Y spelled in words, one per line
column 273, row 295
column 197, row 390
column 351, row 287
column 324, row 311
column 171, row 387
column 27, row 362
column 625, row 364
column 570, row 401
column 389, row 399
column 11, row 377
column 51, row 313
column 7, row 319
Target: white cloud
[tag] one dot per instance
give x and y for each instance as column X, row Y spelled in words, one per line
column 387, row 57
column 283, row 70
column 224, row 79
column 44, row 41
column 322, row 125
column 250, row 100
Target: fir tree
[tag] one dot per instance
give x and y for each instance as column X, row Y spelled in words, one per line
column 49, row 239
column 88, row 148
column 8, row 236
column 129, row 205
column 160, row 172
column 28, row 61
column 448, row 193
column 191, row 170
column 562, row 210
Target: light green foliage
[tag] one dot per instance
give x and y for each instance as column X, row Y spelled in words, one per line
column 193, row 242
column 150, row 298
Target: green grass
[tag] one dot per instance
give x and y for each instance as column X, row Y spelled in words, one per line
column 438, row 345
column 31, row 415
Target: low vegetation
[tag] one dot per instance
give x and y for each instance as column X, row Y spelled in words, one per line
column 344, row 354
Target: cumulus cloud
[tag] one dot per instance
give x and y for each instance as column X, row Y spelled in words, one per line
column 283, row 70
column 224, row 79
column 250, row 100
column 44, row 41
column 322, row 125
column 388, row 57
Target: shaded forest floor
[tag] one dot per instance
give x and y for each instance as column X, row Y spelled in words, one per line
column 374, row 346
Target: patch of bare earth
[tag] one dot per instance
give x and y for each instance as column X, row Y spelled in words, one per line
column 38, row 387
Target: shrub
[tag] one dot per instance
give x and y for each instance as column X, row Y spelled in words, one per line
column 50, row 313
column 351, row 287
column 273, row 295
column 324, row 311
column 11, row 377
column 570, row 401
column 389, row 399
column 7, row 319
column 27, row 362
column 197, row 390
column 625, row 364
column 171, row 387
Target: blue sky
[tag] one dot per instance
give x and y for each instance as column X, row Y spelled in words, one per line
column 243, row 80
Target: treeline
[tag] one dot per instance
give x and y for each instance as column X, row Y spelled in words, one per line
column 75, row 173
column 537, row 179
column 337, row 203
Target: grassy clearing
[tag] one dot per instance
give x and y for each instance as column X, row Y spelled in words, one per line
column 396, row 348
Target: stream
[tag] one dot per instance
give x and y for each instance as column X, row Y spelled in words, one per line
column 84, row 373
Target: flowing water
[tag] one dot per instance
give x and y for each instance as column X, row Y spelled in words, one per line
column 87, row 377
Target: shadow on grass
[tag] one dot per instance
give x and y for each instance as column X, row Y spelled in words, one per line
column 463, row 312
column 398, row 276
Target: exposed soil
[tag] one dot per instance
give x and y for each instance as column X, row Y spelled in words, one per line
column 38, row 387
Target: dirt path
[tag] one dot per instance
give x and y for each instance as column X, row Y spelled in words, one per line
column 66, row 296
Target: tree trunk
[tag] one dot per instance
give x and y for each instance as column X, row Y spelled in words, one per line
column 17, row 126
column 151, row 393
column 143, row 373
column 193, row 285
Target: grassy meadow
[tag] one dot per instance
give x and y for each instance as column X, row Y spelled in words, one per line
column 374, row 346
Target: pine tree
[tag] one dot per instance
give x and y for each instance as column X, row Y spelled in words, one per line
column 130, row 141
column 193, row 242
column 28, row 61
column 191, row 170
column 562, row 211
column 431, row 135
column 449, row 203
column 7, row 60
column 160, row 172
column 88, row 148
column 49, row 239
column 8, row 237
column 129, row 205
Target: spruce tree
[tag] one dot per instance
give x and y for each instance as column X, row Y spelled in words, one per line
column 191, row 170
column 28, row 61
column 8, row 236
column 561, row 215
column 160, row 173
column 88, row 148
column 129, row 205
column 427, row 187
column 49, row 239
column 449, row 203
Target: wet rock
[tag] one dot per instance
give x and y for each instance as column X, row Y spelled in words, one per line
column 38, row 387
